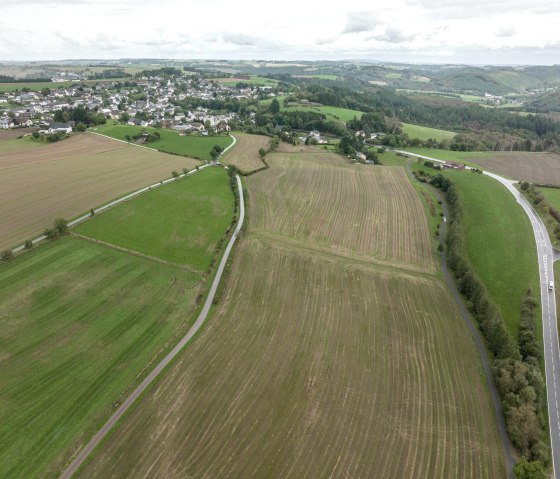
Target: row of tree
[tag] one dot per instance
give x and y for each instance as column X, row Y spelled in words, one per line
column 516, row 364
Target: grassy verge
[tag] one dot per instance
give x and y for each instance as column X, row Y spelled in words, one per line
column 499, row 242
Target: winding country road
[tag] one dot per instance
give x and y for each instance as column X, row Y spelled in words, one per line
column 151, row 377
column 546, row 256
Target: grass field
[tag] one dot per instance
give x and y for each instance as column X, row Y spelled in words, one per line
column 319, row 76
column 170, row 141
column 461, row 156
column 181, row 222
column 79, row 323
column 357, row 210
column 424, row 133
column 543, row 168
column 331, row 112
column 499, row 242
column 245, row 154
column 254, row 80
column 552, row 195
column 318, row 364
column 35, row 86
column 64, row 179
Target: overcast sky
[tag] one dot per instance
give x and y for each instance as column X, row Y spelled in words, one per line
column 434, row 31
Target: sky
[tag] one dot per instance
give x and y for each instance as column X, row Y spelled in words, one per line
column 418, row 31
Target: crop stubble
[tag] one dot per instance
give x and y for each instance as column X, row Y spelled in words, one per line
column 350, row 208
column 245, row 154
column 314, row 365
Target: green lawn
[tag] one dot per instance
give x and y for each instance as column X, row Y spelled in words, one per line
column 499, row 242
column 181, row 222
column 393, row 75
column 425, row 133
column 79, row 323
column 170, row 141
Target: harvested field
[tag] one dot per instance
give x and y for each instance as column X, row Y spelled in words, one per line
column 245, row 154
column 353, row 209
column 314, row 368
column 542, row 168
column 284, row 147
column 13, row 134
column 79, row 324
column 69, row 177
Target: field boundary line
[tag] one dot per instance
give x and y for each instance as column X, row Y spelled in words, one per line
column 106, row 206
column 126, row 142
column 363, row 263
column 136, row 253
column 153, row 375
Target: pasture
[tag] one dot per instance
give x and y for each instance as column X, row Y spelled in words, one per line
column 81, row 323
column 313, row 367
column 67, row 178
column 333, row 113
column 170, row 142
column 245, row 154
column 181, row 222
column 352, row 209
column 425, row 133
column 499, row 242
column 252, row 80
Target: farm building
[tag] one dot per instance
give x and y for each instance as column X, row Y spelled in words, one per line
column 454, row 165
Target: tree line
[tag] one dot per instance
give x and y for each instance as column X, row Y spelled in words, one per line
column 516, row 369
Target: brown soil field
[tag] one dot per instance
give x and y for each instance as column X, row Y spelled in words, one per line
column 542, row 168
column 12, row 134
column 316, row 363
column 314, row 368
column 284, row 147
column 69, row 177
column 245, row 154
column 353, row 209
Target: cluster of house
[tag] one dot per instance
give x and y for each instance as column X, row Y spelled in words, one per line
column 157, row 105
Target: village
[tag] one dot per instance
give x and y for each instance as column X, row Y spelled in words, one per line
column 145, row 101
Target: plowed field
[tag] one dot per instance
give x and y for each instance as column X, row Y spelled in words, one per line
column 64, row 179
column 317, row 363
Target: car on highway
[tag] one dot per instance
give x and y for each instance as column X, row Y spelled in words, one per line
column 551, row 285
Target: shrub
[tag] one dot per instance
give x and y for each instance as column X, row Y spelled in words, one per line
column 175, row 174
column 6, row 255
column 28, row 244
column 61, row 226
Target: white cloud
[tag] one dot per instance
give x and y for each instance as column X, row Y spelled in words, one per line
column 512, row 31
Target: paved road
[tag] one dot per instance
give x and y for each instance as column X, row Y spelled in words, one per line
column 94, row 442
column 546, row 256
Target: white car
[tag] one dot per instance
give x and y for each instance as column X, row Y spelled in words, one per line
column 551, row 285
